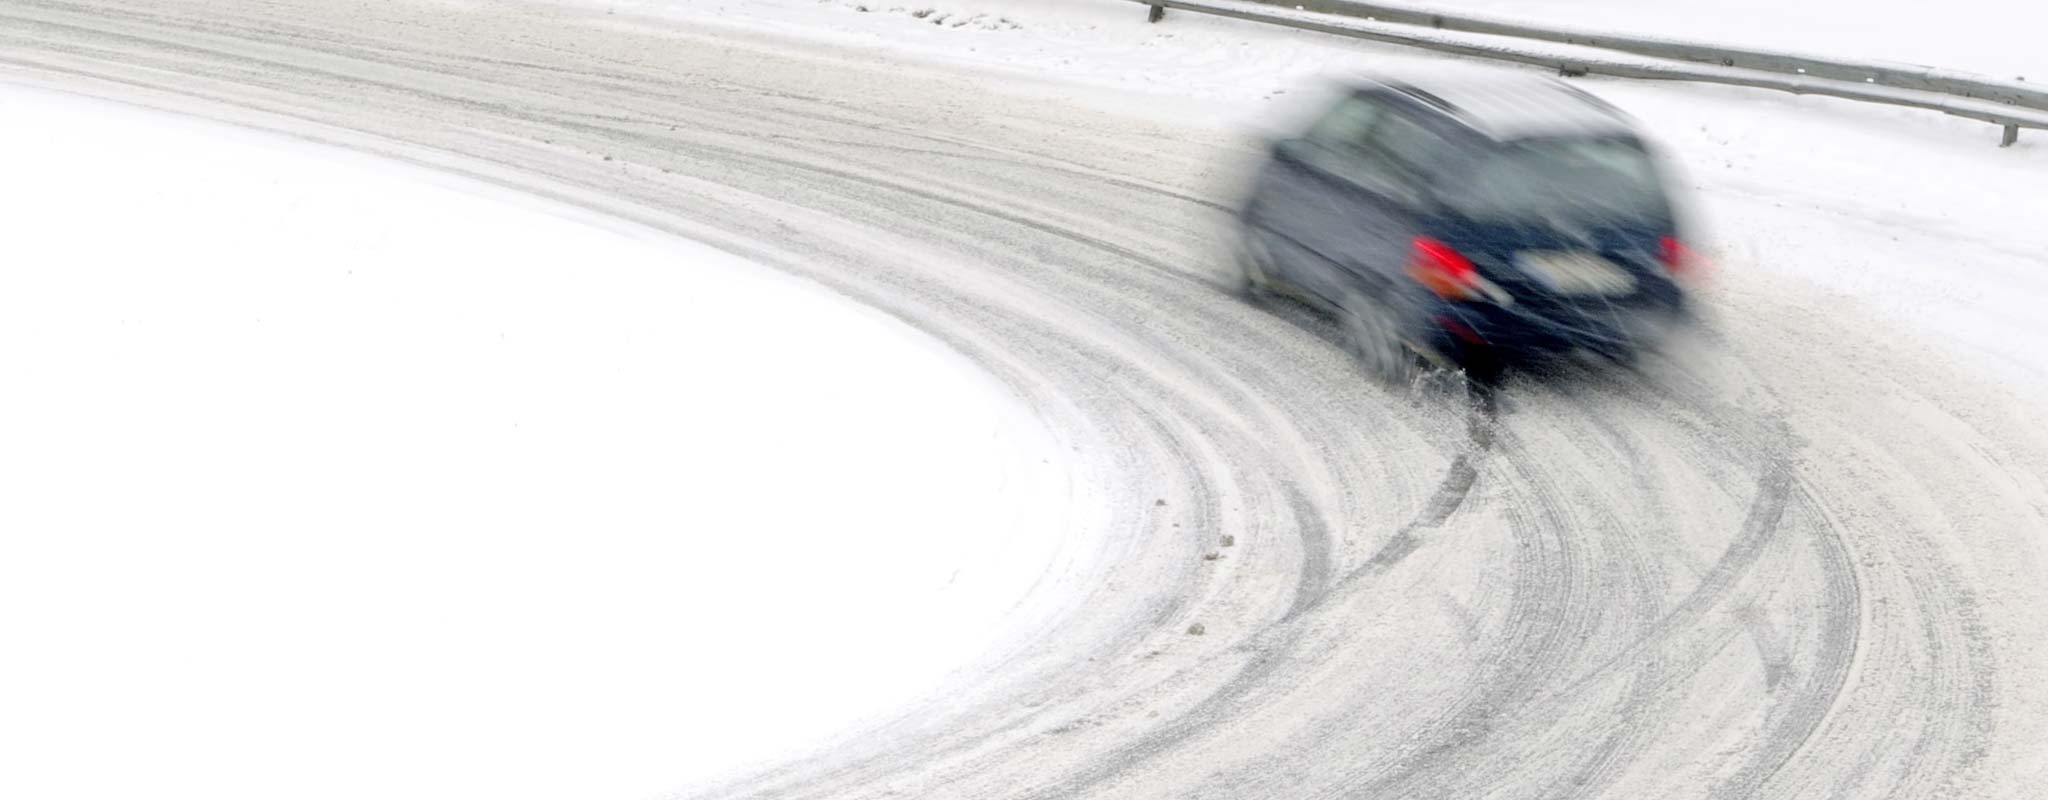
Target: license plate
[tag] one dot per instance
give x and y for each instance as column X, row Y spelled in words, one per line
column 1573, row 272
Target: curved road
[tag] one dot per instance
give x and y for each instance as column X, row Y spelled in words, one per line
column 1798, row 558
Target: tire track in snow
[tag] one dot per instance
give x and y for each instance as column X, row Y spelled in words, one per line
column 1057, row 253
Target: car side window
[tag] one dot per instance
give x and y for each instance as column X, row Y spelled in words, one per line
column 1405, row 140
column 1344, row 126
column 1348, row 146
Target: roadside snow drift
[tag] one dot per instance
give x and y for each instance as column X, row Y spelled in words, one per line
column 322, row 476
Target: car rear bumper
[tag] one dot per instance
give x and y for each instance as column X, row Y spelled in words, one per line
column 1507, row 330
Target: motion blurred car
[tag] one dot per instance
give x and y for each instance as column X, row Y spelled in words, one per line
column 1476, row 219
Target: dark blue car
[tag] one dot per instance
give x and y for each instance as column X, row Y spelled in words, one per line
column 1473, row 219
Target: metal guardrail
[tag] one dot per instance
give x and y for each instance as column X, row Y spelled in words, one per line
column 1904, row 76
column 2009, row 104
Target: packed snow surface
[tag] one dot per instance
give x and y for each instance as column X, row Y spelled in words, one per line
column 1797, row 554
column 325, row 476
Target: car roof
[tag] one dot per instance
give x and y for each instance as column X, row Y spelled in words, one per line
column 1505, row 105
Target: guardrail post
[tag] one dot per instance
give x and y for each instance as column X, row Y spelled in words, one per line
column 1157, row 13
column 2012, row 134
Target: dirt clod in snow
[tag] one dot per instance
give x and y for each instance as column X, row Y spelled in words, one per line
column 1195, row 629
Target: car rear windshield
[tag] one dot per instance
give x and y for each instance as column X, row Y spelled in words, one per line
column 1558, row 178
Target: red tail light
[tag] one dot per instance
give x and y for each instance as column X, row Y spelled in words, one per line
column 1676, row 257
column 1444, row 270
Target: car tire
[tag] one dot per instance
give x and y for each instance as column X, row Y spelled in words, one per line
column 1482, row 366
column 1254, row 267
column 1374, row 340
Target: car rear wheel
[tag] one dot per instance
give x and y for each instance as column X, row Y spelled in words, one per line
column 1254, row 264
column 1375, row 341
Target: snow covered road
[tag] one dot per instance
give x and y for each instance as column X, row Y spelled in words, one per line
column 1801, row 558
column 326, row 454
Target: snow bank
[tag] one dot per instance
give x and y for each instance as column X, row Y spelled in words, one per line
column 326, row 477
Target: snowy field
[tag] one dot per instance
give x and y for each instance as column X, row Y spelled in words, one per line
column 330, row 477
column 352, row 478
